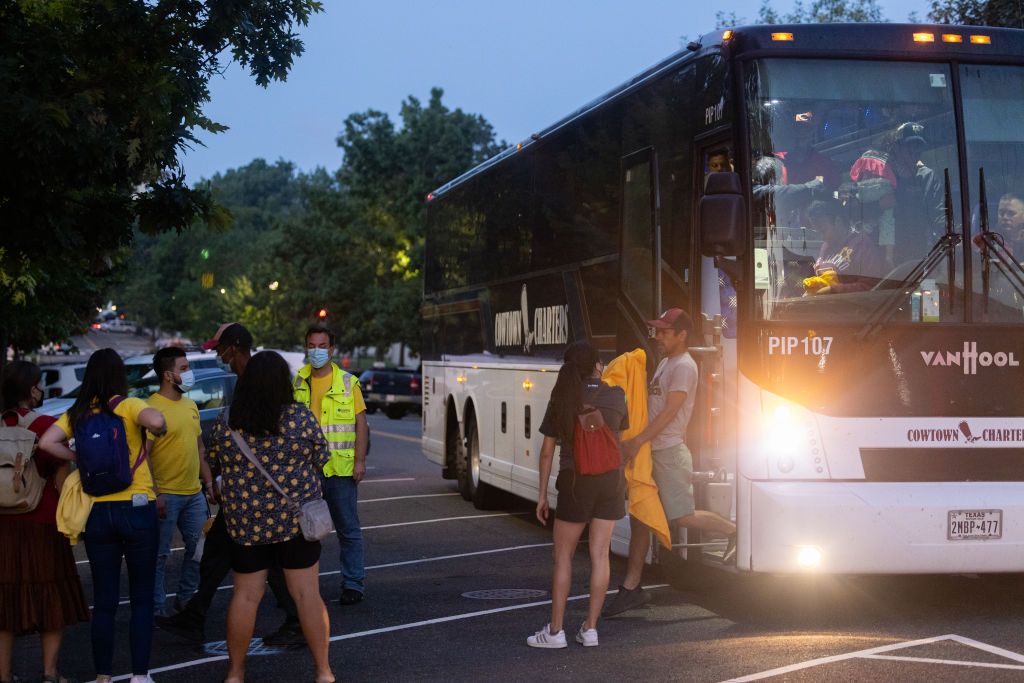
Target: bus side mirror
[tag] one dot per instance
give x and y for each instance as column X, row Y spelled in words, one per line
column 722, row 212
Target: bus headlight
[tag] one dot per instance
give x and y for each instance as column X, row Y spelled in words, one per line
column 790, row 441
column 808, row 557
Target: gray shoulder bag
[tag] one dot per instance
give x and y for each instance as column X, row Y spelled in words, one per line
column 314, row 516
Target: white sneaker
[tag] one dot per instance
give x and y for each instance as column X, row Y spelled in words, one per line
column 545, row 638
column 587, row 637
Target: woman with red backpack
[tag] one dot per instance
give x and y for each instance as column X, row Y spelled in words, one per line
column 583, row 417
column 110, row 453
column 39, row 586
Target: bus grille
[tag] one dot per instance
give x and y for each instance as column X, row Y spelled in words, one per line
column 943, row 464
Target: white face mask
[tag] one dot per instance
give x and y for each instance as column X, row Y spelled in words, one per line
column 187, row 381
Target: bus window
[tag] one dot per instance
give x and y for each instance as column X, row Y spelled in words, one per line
column 995, row 142
column 848, row 164
column 638, row 239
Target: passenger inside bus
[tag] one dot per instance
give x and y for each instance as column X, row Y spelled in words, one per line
column 849, row 260
column 719, row 161
column 909, row 195
column 1011, row 223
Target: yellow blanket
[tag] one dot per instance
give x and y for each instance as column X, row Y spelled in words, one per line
column 629, row 371
column 74, row 508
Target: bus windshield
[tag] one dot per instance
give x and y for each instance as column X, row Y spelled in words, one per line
column 849, row 164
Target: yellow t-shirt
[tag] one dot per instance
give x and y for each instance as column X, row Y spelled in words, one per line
column 175, row 455
column 319, row 386
column 142, row 482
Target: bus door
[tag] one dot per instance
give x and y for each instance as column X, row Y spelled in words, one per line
column 639, row 253
column 712, row 429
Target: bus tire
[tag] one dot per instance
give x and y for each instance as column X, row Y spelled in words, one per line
column 483, row 495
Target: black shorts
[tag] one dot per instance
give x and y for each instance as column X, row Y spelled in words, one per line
column 297, row 553
column 582, row 497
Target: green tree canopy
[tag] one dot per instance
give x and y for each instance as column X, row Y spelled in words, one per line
column 98, row 98
column 1008, row 13
column 814, row 12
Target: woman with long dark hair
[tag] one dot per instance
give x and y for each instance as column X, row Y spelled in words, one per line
column 597, row 499
column 39, row 586
column 285, row 438
column 122, row 524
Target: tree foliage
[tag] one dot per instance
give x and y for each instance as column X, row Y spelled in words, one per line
column 350, row 242
column 1009, row 13
column 98, row 98
column 813, row 12
column 359, row 248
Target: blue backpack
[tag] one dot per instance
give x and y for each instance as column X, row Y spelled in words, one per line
column 101, row 447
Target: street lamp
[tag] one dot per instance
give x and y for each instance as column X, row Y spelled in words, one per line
column 274, row 285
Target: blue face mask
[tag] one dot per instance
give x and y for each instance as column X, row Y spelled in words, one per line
column 318, row 357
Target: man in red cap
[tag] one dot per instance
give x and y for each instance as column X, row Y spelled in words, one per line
column 670, row 398
column 233, row 344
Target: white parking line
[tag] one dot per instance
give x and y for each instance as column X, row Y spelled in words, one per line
column 388, row 629
column 952, row 662
column 419, row 521
column 876, row 652
column 448, row 519
column 406, row 563
column 420, row 495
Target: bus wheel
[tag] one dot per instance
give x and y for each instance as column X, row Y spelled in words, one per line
column 483, row 495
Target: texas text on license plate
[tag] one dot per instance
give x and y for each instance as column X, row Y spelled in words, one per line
column 975, row 525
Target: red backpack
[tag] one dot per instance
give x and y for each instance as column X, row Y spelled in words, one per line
column 595, row 449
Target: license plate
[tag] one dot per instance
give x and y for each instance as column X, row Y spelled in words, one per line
column 390, row 398
column 975, row 525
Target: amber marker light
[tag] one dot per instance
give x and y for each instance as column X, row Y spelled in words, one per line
column 527, row 384
column 952, row 38
column 924, row 37
column 981, row 40
column 782, row 36
column 726, row 35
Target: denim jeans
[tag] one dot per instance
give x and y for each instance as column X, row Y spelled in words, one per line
column 341, row 494
column 116, row 530
column 187, row 513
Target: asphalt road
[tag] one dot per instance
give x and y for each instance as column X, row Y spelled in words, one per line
column 426, row 549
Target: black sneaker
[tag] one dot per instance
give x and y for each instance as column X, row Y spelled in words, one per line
column 626, row 600
column 288, row 636
column 350, row 596
column 183, row 625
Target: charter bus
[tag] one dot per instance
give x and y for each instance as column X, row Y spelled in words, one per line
column 839, row 208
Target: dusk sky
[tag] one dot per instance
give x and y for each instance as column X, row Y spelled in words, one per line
column 522, row 65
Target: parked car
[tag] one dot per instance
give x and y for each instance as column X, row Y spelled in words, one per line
column 59, row 380
column 118, row 325
column 396, row 391
column 212, row 393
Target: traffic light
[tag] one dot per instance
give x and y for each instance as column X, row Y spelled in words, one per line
column 321, row 314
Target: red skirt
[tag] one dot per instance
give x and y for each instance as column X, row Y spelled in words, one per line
column 39, row 586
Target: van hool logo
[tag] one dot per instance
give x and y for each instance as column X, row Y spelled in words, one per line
column 969, row 359
column 550, row 325
column 964, row 434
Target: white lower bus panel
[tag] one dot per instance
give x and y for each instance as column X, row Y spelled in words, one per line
column 883, row 528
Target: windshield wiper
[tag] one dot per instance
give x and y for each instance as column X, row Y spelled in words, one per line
column 993, row 242
column 945, row 246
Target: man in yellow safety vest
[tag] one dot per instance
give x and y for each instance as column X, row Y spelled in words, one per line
column 335, row 399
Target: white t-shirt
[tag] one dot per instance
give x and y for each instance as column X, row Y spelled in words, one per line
column 676, row 373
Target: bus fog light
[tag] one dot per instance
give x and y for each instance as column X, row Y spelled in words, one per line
column 785, row 464
column 808, row 557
